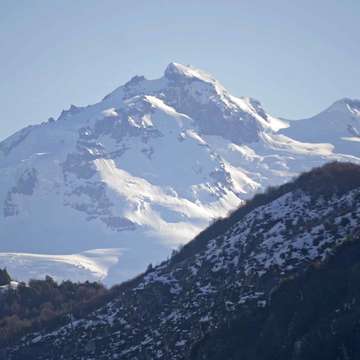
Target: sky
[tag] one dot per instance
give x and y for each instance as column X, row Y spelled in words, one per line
column 296, row 57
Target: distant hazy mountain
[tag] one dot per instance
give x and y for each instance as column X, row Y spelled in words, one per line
column 278, row 279
column 147, row 168
column 338, row 125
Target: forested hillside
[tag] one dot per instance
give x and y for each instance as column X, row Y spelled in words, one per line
column 276, row 279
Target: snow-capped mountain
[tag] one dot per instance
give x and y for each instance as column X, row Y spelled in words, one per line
column 230, row 271
column 142, row 171
column 338, row 125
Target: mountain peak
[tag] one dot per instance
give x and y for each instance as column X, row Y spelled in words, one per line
column 135, row 80
column 345, row 105
column 178, row 71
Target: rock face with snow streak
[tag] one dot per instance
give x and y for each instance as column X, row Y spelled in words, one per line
column 145, row 169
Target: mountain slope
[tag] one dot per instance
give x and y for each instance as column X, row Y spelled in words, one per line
column 232, row 267
column 143, row 171
column 310, row 317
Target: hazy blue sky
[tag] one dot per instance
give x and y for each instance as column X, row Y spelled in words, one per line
column 295, row 56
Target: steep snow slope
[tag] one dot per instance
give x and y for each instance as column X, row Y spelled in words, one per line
column 144, row 170
column 233, row 266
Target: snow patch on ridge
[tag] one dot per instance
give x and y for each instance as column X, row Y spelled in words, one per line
column 88, row 265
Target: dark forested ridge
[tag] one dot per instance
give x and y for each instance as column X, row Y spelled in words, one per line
column 276, row 280
column 5, row 277
column 42, row 304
